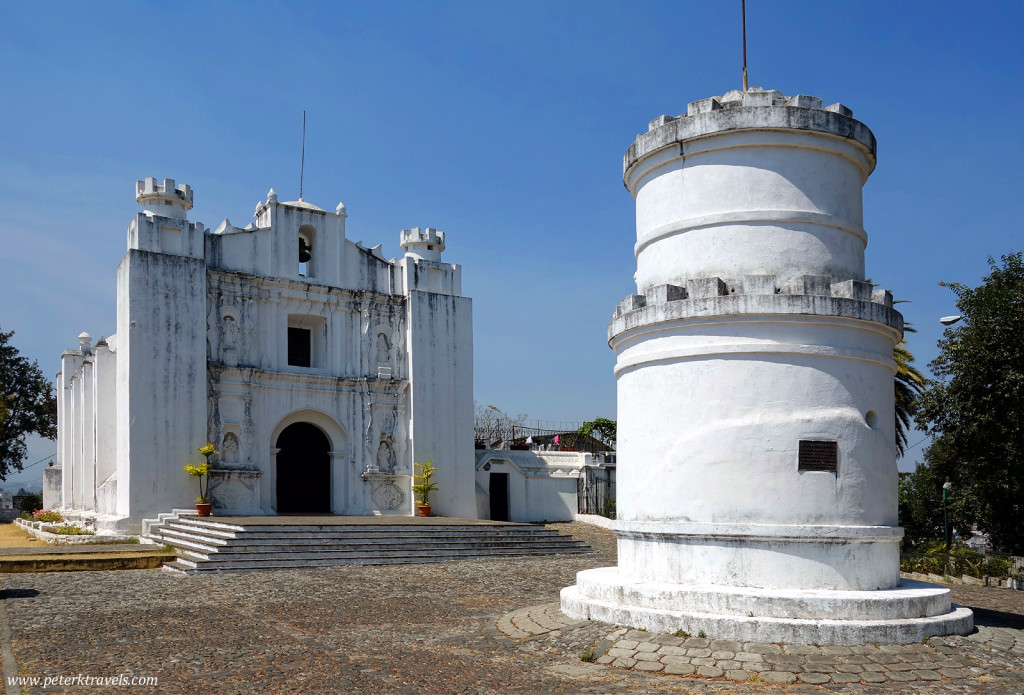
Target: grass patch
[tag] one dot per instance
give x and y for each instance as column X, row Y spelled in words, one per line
column 69, row 530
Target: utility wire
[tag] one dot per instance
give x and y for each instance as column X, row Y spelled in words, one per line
column 918, row 444
column 39, row 461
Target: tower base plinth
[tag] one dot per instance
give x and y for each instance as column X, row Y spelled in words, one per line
column 908, row 613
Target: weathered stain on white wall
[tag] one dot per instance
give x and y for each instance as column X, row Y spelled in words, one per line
column 202, row 354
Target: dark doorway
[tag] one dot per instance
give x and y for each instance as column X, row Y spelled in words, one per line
column 303, row 470
column 499, row 496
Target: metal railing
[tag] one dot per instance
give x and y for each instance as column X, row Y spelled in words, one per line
column 595, row 491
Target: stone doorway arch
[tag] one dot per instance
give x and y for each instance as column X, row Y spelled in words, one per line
column 308, row 464
column 303, row 470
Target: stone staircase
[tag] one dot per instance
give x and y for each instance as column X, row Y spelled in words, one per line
column 224, row 544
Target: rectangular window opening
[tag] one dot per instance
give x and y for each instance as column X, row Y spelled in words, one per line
column 300, row 347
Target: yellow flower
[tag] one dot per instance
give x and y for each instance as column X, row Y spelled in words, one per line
column 198, row 470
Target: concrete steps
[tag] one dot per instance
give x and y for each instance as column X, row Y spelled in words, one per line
column 225, row 545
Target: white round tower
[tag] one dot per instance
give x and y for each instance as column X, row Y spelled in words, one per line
column 424, row 244
column 164, row 200
column 756, row 491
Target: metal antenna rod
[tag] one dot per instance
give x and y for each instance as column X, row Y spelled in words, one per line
column 302, row 166
column 743, row 7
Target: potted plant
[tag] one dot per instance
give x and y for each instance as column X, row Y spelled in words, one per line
column 202, row 471
column 423, row 485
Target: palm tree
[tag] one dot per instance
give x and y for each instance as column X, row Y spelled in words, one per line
column 909, row 384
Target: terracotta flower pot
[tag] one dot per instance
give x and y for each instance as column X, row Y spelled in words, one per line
column 423, row 509
column 204, row 509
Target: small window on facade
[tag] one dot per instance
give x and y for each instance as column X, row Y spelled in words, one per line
column 430, row 247
column 307, row 341
column 299, row 347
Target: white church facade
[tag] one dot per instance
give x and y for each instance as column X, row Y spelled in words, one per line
column 320, row 370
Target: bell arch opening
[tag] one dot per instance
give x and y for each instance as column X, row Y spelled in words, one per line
column 307, row 237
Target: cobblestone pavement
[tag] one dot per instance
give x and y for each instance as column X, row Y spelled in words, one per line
column 990, row 660
column 435, row 628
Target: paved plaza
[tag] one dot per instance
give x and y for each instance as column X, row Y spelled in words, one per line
column 475, row 626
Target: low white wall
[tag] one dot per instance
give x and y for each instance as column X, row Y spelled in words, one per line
column 52, row 481
column 595, row 520
column 541, row 484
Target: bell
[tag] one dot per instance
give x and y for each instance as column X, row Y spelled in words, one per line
column 305, row 251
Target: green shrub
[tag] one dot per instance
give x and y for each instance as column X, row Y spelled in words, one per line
column 46, row 515
column 608, row 508
column 32, row 503
column 931, row 558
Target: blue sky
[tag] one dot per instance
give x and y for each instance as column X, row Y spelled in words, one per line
column 502, row 124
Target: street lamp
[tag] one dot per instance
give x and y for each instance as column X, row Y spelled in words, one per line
column 945, row 518
column 949, row 320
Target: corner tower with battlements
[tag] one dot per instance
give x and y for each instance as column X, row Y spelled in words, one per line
column 756, row 459
column 319, row 369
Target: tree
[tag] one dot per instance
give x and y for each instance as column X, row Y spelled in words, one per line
column 28, row 403
column 908, row 387
column 600, row 428
column 31, row 503
column 920, row 509
column 491, row 425
column 975, row 410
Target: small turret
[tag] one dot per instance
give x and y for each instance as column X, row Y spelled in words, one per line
column 166, row 199
column 424, row 244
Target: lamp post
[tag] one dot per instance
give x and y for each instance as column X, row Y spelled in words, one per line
column 945, row 520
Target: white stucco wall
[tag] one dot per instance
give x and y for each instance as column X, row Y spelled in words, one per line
column 542, row 484
column 52, row 485
column 441, row 395
column 161, row 390
column 105, row 408
column 751, row 203
column 201, row 354
column 741, row 395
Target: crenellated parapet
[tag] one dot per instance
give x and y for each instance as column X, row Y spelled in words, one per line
column 750, row 183
column 755, row 108
column 754, row 285
column 163, row 225
column 757, row 295
column 164, row 199
column 417, row 241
